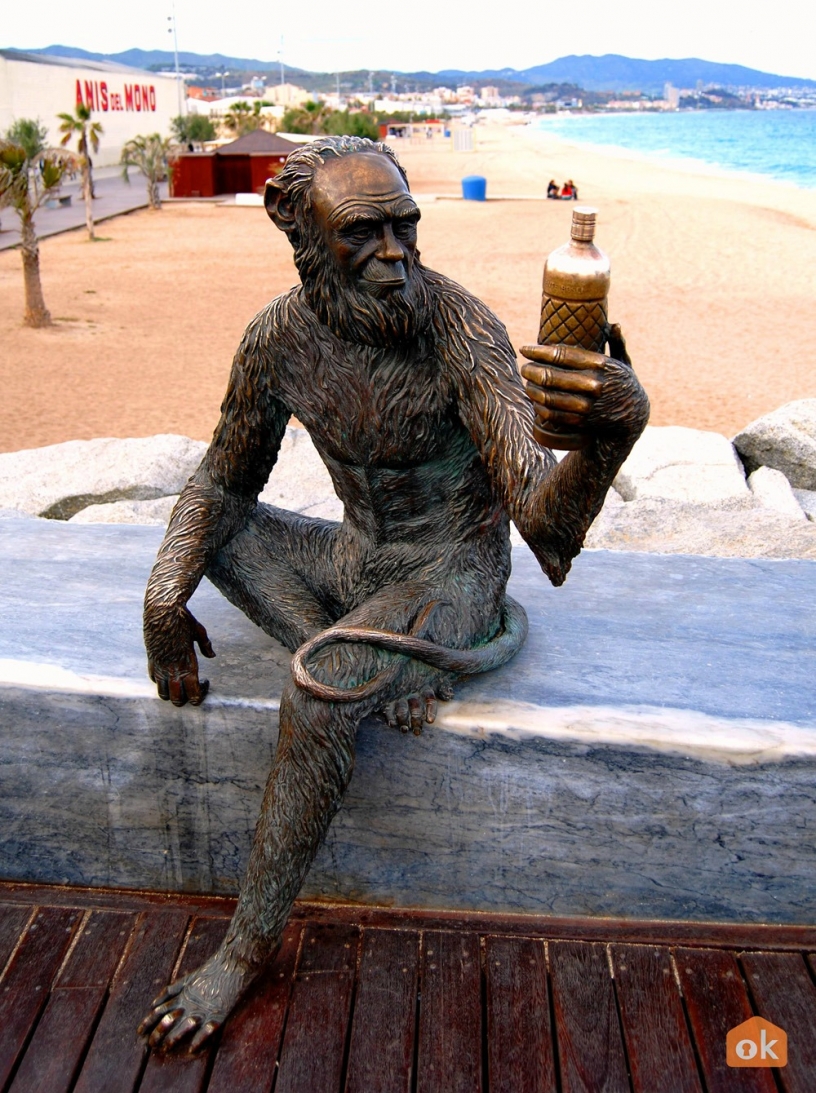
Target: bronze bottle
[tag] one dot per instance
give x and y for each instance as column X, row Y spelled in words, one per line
column 573, row 302
column 576, row 285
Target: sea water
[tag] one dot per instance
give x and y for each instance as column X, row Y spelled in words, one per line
column 778, row 144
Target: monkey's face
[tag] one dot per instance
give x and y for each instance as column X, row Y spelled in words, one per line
column 367, row 220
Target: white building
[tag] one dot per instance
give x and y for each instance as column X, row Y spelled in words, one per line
column 127, row 102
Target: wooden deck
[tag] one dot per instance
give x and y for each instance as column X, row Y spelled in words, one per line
column 368, row 1000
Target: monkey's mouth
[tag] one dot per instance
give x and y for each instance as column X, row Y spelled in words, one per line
column 379, row 276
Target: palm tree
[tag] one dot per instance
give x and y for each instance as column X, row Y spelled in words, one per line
column 29, row 174
column 89, row 133
column 241, row 118
column 151, row 155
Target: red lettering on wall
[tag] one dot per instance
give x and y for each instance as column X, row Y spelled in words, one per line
column 152, row 97
column 145, row 97
column 89, row 94
column 137, row 96
column 103, row 95
column 129, row 96
column 79, row 101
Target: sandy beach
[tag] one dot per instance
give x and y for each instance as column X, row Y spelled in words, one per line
column 714, row 280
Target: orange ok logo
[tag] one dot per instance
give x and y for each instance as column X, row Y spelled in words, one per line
column 756, row 1043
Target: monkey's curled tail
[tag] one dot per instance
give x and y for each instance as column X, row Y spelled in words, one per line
column 463, row 662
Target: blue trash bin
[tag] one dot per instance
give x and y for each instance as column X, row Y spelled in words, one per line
column 474, row 188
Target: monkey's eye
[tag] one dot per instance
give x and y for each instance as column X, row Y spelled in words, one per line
column 359, row 232
column 405, row 229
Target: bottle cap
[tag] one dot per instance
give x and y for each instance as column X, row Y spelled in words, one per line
column 583, row 223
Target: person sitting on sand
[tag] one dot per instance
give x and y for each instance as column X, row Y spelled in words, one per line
column 552, row 189
column 569, row 191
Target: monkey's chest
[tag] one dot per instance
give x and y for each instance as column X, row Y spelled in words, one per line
column 386, row 410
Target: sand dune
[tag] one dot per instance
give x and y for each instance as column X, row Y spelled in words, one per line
column 714, row 280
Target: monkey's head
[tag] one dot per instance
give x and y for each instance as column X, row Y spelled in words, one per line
column 345, row 205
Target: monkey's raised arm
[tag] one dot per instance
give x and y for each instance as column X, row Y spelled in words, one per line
column 552, row 504
column 212, row 508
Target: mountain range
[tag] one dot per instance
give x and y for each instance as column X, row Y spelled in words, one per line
column 611, row 72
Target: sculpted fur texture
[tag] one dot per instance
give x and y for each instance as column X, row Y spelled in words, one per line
column 410, row 391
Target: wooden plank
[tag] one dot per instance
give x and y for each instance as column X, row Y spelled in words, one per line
column 737, row 936
column 51, row 1059
column 28, row 979
column 314, row 1042
column 717, row 1001
column 120, row 899
column 13, row 919
column 178, row 1071
column 654, row 1024
column 519, row 1028
column 450, row 1014
column 62, row 1034
column 116, row 1052
column 588, row 1033
column 784, row 993
column 249, row 1048
column 381, row 1052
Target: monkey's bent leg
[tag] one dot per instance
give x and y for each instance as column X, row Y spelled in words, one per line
column 312, row 769
column 278, row 570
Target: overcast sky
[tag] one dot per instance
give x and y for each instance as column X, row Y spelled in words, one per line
column 411, row 35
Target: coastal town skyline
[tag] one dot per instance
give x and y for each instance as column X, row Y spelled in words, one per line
column 433, row 37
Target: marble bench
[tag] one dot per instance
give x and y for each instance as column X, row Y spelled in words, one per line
column 650, row 753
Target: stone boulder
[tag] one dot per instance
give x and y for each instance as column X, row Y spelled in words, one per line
column 773, row 491
column 155, row 512
column 732, row 530
column 807, row 499
column 60, row 480
column 785, row 439
column 688, row 465
column 299, row 482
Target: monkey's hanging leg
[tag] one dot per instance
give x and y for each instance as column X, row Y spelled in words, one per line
column 312, row 769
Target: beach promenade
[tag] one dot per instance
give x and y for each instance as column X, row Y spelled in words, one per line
column 114, row 197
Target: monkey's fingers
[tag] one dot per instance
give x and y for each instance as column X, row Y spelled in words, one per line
column 428, row 696
column 203, row 642
column 559, row 419
column 563, row 356
column 549, row 399
column 617, row 345
column 563, row 379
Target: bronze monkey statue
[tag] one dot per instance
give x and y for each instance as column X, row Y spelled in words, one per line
column 409, row 388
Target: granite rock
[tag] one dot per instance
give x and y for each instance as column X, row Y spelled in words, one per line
column 151, row 513
column 714, row 530
column 785, row 439
column 679, row 464
column 60, row 480
column 807, row 500
column 773, row 491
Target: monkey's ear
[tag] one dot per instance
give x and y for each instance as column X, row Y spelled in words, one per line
column 279, row 207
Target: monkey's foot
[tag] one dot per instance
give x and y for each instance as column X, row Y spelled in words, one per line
column 414, row 710
column 198, row 1005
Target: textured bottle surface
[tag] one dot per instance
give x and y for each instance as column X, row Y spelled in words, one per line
column 576, row 285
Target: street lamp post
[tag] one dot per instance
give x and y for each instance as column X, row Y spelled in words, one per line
column 171, row 19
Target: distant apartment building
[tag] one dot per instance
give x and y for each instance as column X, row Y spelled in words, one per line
column 671, row 94
column 126, row 101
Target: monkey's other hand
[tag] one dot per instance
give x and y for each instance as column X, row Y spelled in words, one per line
column 170, row 638
column 415, row 710
column 580, row 392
